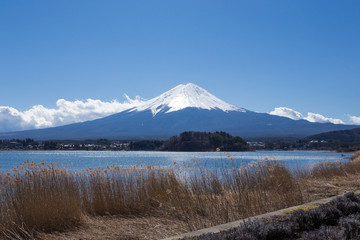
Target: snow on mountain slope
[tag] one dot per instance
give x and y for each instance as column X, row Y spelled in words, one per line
column 184, row 96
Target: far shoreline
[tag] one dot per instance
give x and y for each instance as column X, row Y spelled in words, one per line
column 264, row 150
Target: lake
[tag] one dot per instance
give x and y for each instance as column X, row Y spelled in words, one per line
column 77, row 160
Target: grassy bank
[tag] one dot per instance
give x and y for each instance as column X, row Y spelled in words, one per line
column 41, row 198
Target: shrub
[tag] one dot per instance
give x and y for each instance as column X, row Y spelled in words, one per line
column 324, row 233
column 351, row 226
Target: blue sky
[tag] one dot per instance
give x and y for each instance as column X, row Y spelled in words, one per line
column 304, row 55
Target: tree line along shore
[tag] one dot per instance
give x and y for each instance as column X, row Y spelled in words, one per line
column 345, row 141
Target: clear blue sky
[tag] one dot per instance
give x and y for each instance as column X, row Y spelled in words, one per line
column 259, row 55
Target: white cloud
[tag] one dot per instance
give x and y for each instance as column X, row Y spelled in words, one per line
column 355, row 119
column 287, row 112
column 66, row 112
column 315, row 117
column 10, row 119
column 311, row 117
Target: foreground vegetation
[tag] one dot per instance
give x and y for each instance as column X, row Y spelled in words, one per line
column 340, row 219
column 41, row 198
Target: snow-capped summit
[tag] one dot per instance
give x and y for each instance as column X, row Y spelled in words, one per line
column 185, row 96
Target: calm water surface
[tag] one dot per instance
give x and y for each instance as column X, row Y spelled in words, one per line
column 77, row 160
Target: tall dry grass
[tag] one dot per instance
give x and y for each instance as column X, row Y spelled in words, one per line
column 45, row 198
column 38, row 197
column 356, row 157
column 212, row 198
column 139, row 190
column 329, row 169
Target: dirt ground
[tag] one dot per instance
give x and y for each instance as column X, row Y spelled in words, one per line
column 313, row 189
column 118, row 228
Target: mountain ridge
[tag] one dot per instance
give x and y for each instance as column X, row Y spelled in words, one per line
column 143, row 125
column 183, row 108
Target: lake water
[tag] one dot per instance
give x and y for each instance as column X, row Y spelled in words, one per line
column 77, row 160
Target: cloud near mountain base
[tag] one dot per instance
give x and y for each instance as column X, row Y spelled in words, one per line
column 311, row 117
column 287, row 112
column 66, row 112
column 355, row 119
column 316, row 117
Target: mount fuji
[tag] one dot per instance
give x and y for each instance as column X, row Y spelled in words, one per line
column 186, row 107
column 185, row 96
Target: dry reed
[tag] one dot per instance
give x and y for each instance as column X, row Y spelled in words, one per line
column 38, row 197
column 356, row 157
column 45, row 198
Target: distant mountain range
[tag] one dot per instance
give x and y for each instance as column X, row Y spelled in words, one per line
column 183, row 108
column 348, row 136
